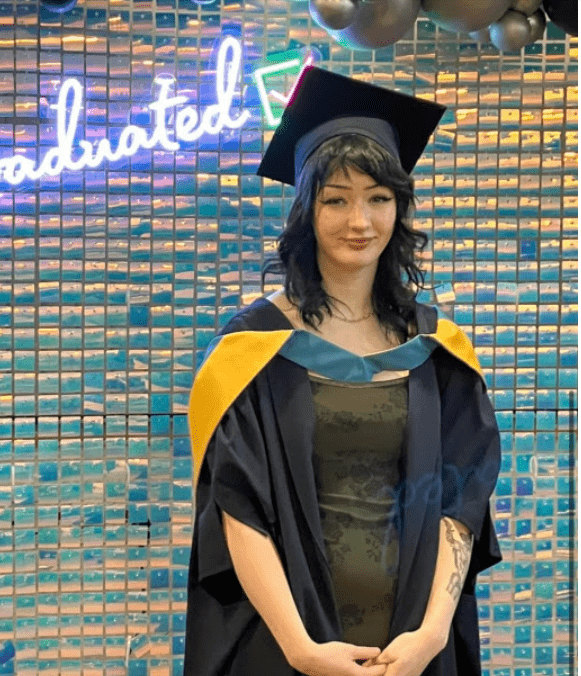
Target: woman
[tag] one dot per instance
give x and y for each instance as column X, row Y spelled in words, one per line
column 345, row 447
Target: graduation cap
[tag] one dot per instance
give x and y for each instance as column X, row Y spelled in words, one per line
column 323, row 104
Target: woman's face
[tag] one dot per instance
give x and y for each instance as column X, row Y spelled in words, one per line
column 353, row 220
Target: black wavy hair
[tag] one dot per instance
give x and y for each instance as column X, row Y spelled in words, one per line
column 393, row 296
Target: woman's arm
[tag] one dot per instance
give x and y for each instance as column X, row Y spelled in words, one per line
column 412, row 651
column 454, row 550
column 263, row 579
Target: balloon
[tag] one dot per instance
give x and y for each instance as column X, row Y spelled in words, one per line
column 511, row 33
column 527, row 7
column 564, row 14
column 378, row 23
column 333, row 14
column 481, row 35
column 58, row 6
column 465, row 15
column 537, row 23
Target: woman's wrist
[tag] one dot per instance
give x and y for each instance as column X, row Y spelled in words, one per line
column 298, row 651
column 435, row 637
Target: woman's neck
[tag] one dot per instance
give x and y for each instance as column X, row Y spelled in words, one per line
column 352, row 289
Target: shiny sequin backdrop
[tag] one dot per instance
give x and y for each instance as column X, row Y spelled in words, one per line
column 114, row 278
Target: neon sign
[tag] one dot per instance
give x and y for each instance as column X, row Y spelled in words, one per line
column 188, row 124
column 259, row 73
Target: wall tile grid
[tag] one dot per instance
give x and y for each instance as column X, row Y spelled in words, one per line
column 113, row 280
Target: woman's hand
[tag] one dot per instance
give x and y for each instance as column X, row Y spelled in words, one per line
column 408, row 654
column 336, row 659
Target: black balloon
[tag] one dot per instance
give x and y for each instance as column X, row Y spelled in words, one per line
column 564, row 14
column 378, row 23
column 59, row 6
column 465, row 15
column 334, row 14
column 538, row 23
column 526, row 7
column 511, row 33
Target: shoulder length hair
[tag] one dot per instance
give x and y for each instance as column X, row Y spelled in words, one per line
column 393, row 293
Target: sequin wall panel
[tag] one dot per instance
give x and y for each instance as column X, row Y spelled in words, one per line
column 115, row 272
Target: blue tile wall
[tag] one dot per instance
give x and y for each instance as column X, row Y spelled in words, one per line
column 114, row 279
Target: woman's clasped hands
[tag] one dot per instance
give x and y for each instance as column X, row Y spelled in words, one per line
column 408, row 654
column 337, row 659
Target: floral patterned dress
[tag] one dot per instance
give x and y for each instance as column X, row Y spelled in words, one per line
column 358, row 442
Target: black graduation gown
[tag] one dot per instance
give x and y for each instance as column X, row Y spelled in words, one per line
column 258, row 468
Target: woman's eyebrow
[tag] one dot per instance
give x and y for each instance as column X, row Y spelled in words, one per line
column 348, row 187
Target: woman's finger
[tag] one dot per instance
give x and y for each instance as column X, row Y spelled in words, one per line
column 375, row 670
column 364, row 653
column 386, row 657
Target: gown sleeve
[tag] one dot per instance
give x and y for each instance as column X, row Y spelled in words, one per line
column 470, row 459
column 234, row 478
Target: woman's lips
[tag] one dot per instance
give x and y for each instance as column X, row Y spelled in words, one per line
column 358, row 243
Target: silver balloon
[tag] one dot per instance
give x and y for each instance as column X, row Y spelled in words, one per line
column 481, row 35
column 378, row 23
column 465, row 15
column 528, row 7
column 511, row 33
column 537, row 23
column 334, row 14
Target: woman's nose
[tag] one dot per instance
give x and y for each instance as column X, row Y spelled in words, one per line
column 358, row 216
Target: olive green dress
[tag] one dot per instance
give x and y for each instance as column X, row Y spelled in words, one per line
column 358, row 441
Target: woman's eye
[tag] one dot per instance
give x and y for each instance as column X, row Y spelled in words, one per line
column 376, row 198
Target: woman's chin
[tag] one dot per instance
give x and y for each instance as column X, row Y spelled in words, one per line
column 354, row 261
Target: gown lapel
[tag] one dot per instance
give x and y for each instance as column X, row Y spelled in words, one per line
column 296, row 419
column 420, row 465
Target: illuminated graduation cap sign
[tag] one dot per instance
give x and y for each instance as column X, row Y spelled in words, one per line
column 188, row 124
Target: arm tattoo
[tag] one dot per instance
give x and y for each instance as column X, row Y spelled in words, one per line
column 461, row 549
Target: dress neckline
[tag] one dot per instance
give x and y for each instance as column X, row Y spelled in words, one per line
column 329, row 345
column 331, row 382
